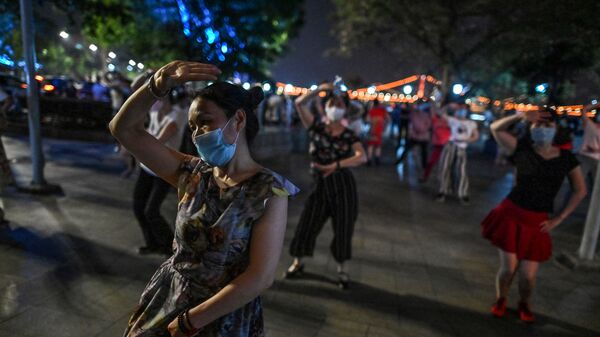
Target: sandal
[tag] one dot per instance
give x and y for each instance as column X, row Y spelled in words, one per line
column 294, row 270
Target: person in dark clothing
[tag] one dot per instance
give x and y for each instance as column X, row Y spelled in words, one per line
column 520, row 226
column 333, row 149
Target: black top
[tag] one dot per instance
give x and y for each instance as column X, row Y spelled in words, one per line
column 325, row 148
column 538, row 179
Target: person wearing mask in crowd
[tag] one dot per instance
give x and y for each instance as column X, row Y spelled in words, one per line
column 589, row 153
column 167, row 123
column 520, row 226
column 231, row 215
column 419, row 133
column 440, row 137
column 378, row 117
column 463, row 131
column 333, row 150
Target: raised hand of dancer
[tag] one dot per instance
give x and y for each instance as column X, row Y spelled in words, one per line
column 326, row 170
column 179, row 72
column 550, row 224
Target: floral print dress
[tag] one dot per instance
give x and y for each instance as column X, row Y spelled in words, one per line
column 211, row 248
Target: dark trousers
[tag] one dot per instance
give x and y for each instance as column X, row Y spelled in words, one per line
column 333, row 197
column 148, row 195
column 424, row 145
column 403, row 132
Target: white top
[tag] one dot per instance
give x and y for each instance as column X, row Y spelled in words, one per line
column 461, row 130
column 177, row 116
column 591, row 140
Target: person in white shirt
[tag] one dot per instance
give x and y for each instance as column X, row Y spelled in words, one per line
column 167, row 124
column 463, row 131
column 589, row 153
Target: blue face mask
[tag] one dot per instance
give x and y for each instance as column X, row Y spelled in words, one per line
column 461, row 113
column 543, row 135
column 212, row 148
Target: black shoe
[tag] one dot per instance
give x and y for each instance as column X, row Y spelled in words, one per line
column 440, row 197
column 343, row 281
column 294, row 271
column 465, row 201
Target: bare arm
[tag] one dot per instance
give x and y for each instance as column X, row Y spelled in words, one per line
column 474, row 136
column 503, row 137
column 579, row 192
column 359, row 157
column 265, row 249
column 304, row 112
column 128, row 124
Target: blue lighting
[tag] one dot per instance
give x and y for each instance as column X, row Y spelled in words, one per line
column 6, row 61
column 211, row 35
column 185, row 17
column 541, row 88
column 224, row 48
column 221, row 58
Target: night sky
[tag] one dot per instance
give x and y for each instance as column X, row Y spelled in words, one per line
column 305, row 63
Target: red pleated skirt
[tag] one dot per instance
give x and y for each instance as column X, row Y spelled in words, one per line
column 517, row 230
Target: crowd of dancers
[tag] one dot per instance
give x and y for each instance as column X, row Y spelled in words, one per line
column 226, row 241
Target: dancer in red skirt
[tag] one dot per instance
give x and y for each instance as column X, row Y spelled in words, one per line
column 520, row 226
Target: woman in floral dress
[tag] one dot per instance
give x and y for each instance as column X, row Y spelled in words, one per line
column 231, row 216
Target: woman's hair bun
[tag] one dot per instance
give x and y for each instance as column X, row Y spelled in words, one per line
column 255, row 96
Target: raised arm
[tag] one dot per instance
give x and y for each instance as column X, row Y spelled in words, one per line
column 503, row 137
column 128, row 124
column 265, row 248
column 302, row 102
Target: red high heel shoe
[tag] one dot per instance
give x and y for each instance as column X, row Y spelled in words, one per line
column 499, row 308
column 525, row 313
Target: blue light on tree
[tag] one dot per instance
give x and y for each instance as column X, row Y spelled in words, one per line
column 221, row 58
column 211, row 35
column 224, row 48
column 185, row 17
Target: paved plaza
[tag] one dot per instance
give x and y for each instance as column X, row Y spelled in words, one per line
column 69, row 264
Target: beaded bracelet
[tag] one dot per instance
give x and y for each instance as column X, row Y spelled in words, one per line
column 153, row 90
column 185, row 326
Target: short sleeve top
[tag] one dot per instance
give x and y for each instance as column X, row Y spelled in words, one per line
column 539, row 179
column 326, row 148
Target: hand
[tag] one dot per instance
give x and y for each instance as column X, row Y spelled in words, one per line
column 550, row 224
column 174, row 329
column 531, row 116
column 326, row 170
column 179, row 72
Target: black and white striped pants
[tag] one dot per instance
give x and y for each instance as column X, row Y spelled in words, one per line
column 454, row 158
column 335, row 197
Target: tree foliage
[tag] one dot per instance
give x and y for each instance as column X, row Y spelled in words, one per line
column 238, row 36
column 479, row 41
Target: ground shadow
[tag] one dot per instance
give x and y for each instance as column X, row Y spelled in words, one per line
column 437, row 316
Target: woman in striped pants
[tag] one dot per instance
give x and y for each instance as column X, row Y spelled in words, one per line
column 454, row 156
column 333, row 149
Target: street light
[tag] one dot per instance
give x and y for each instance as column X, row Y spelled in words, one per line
column 266, row 87
column 132, row 63
column 541, row 88
column 246, row 85
column 407, row 89
column 112, row 55
column 93, row 47
column 371, row 90
column 64, row 34
column 313, row 87
column 140, row 66
column 457, row 89
column 111, row 67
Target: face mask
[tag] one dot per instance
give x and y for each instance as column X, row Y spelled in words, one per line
column 542, row 135
column 334, row 113
column 461, row 113
column 212, row 148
